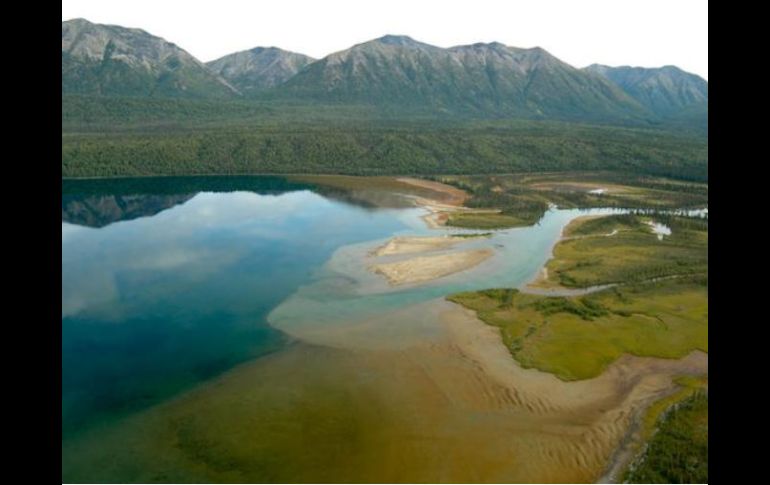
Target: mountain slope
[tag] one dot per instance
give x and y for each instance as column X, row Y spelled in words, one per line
column 489, row 79
column 257, row 69
column 392, row 76
column 664, row 91
column 112, row 60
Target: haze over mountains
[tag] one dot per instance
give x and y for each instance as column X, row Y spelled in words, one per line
column 397, row 72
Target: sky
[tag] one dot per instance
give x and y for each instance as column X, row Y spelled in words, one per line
column 647, row 33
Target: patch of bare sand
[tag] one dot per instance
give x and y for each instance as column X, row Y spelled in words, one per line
column 551, row 430
column 449, row 406
column 418, row 244
column 435, row 219
column 612, row 404
column 449, row 195
column 451, row 199
column 426, row 268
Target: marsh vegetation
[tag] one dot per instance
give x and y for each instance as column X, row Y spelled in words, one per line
column 521, row 199
column 679, row 451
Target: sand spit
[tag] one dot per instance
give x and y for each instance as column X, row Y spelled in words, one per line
column 453, row 195
column 452, row 200
column 427, row 268
column 419, row 244
column 541, row 282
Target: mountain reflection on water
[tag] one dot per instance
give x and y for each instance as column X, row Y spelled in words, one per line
column 99, row 202
column 167, row 282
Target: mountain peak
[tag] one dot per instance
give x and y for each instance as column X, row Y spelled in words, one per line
column 259, row 50
column 114, row 60
column 540, row 52
column 259, row 68
column 479, row 78
column 79, row 20
column 663, row 90
column 532, row 52
column 481, row 45
column 396, row 40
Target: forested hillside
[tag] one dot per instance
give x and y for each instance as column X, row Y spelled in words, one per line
column 136, row 104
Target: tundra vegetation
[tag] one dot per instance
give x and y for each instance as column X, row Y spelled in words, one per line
column 658, row 307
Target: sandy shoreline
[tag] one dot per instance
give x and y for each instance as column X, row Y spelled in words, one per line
column 426, row 268
column 454, row 196
column 453, row 200
column 542, row 285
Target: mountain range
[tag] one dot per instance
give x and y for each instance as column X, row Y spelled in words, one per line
column 111, row 60
column 484, row 80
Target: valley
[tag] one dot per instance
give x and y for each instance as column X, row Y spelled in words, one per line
column 395, row 262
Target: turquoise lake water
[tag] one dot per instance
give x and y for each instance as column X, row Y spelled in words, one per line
column 169, row 282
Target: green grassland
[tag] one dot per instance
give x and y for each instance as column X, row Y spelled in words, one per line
column 634, row 253
column 578, row 337
column 600, row 226
column 485, row 220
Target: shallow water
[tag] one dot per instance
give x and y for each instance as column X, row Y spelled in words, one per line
column 159, row 302
column 163, row 291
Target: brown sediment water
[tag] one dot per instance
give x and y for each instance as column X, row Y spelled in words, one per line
column 426, row 393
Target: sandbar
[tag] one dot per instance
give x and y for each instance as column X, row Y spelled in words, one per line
column 427, row 268
column 418, row 244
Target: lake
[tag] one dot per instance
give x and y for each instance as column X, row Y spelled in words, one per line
column 169, row 283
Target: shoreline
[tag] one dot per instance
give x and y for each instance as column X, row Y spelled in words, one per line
column 541, row 285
